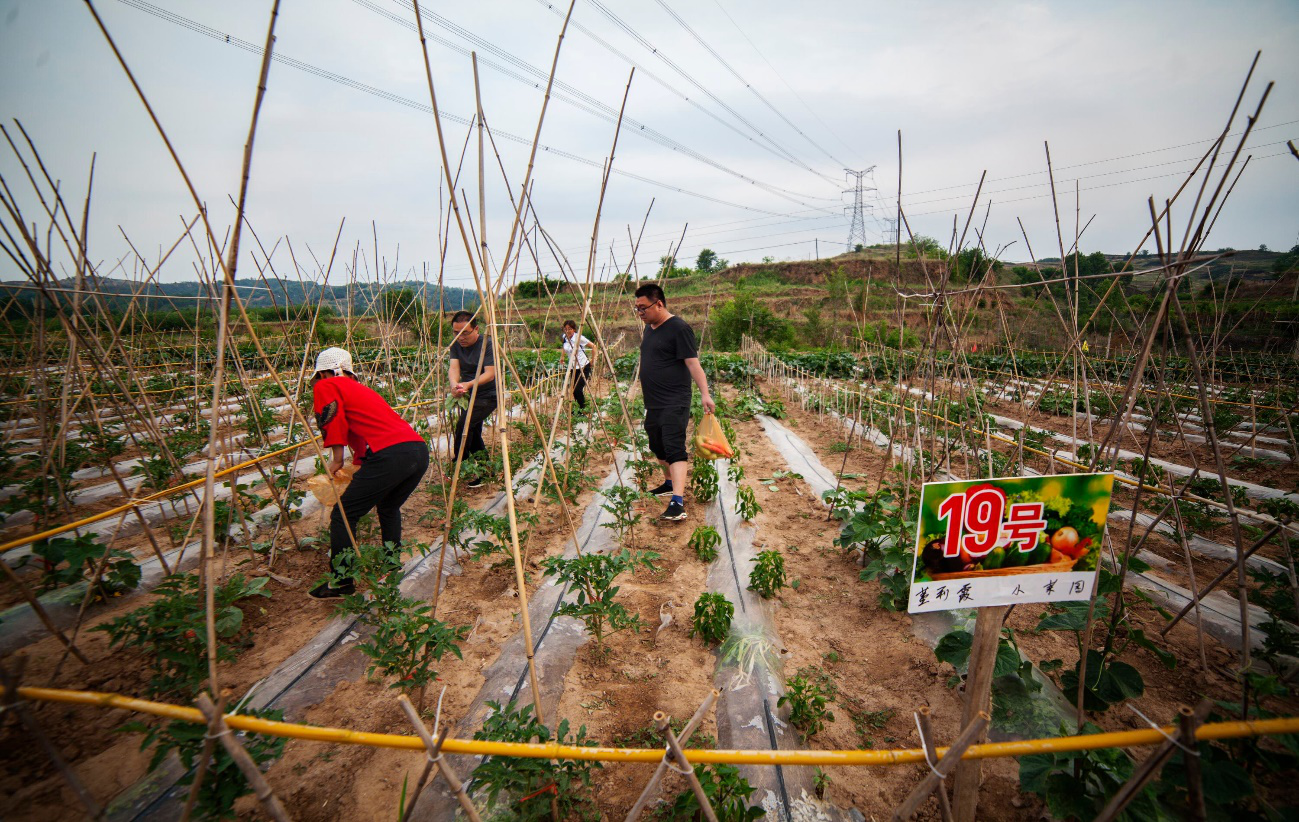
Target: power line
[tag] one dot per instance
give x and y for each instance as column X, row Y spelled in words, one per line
column 782, row 78
column 701, row 41
column 642, row 71
column 564, row 91
column 1106, row 160
column 279, row 57
column 657, row 52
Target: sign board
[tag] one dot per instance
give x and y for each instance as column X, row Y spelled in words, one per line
column 1009, row 540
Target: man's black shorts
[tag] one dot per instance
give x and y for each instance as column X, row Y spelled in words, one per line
column 666, row 428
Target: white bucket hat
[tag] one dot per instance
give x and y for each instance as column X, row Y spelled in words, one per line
column 334, row 359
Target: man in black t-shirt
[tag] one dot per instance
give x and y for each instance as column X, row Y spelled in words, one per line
column 471, row 354
column 669, row 361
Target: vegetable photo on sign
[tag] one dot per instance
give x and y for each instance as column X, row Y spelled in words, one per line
column 1008, row 540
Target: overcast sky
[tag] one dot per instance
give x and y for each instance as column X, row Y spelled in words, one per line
column 745, row 136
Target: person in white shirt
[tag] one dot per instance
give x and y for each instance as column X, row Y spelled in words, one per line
column 576, row 346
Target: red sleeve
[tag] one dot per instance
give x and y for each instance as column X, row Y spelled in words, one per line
column 330, row 416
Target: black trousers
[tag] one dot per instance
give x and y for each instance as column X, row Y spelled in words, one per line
column 480, row 411
column 384, row 481
column 580, row 378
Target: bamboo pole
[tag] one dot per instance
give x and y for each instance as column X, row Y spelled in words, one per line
column 1149, row 768
column 261, row 789
column 1187, row 722
column 205, row 756
column 652, row 785
column 435, row 760
column 950, row 762
column 931, row 754
column 978, row 691
column 663, row 724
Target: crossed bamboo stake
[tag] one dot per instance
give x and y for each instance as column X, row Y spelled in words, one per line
column 674, row 754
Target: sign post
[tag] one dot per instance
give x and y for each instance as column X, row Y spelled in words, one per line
column 991, row 544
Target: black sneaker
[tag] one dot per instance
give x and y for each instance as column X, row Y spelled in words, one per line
column 475, row 482
column 325, row 591
column 675, row 513
column 664, row 490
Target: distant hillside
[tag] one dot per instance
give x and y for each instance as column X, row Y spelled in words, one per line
column 836, row 301
column 254, row 293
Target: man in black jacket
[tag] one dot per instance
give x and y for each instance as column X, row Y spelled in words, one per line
column 669, row 361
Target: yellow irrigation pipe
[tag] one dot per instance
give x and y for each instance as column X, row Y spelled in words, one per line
column 93, row 518
column 551, row 750
column 1058, row 381
column 126, row 506
column 1122, row 479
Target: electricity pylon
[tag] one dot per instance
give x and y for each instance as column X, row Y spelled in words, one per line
column 864, row 182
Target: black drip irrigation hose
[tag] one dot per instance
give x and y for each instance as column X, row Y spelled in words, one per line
column 767, row 717
column 154, row 805
column 780, row 773
column 726, row 532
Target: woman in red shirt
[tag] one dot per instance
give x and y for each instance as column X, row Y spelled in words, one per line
column 392, row 459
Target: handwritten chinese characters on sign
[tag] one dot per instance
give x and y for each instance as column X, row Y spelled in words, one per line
column 1009, row 540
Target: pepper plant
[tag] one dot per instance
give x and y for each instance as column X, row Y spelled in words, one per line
column 704, row 542
column 712, row 618
column 768, row 574
column 808, row 695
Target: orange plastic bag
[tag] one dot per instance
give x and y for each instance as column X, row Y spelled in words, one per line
column 328, row 489
column 710, row 440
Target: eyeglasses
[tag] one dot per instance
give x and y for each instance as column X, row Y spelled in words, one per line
column 641, row 309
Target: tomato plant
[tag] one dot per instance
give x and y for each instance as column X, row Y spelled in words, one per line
column 520, row 788
column 593, row 576
column 170, row 630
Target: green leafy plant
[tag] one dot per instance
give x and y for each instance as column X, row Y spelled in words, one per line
column 66, row 560
column 772, row 482
column 712, row 618
column 746, row 503
column 704, row 542
column 620, row 501
column 521, row 788
column 703, row 480
column 407, row 640
column 768, row 575
column 1077, row 784
column 593, row 575
column 878, row 526
column 1109, row 680
column 169, row 630
column 808, row 694
column 224, row 782
column 726, row 791
column 1014, row 706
